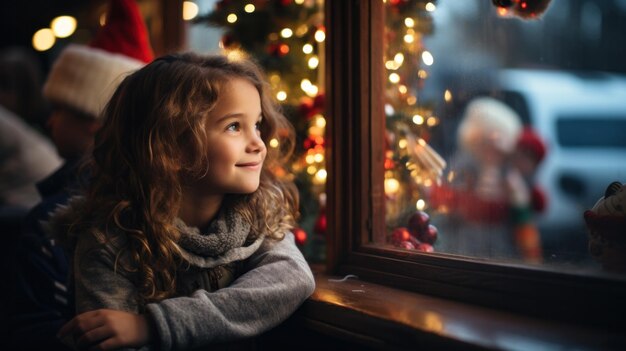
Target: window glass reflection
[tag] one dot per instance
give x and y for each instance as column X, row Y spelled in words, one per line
column 504, row 125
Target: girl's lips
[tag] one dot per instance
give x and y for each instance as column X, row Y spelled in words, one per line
column 250, row 165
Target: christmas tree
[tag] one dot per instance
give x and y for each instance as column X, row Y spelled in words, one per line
column 286, row 37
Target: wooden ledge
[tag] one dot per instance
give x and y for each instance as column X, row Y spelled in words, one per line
column 380, row 317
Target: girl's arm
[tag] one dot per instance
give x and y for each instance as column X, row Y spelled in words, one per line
column 277, row 281
column 106, row 304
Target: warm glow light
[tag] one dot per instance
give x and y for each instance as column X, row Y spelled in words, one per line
column 409, row 38
column 320, row 121
column 249, row 8
column 284, row 49
column 311, row 170
column 299, row 2
column 402, row 143
column 318, row 158
column 399, row 58
column 307, row 48
column 430, row 7
column 394, row 77
column 281, row 96
column 428, row 58
column 447, row 96
column 391, row 65
column 320, row 36
column 417, row 119
column 286, row 33
column 403, row 89
column 43, row 39
column 190, row 10
column 103, row 19
column 232, row 18
column 274, row 143
column 411, row 100
column 420, row 205
column 432, row 121
column 313, row 62
column 392, row 186
column 275, row 78
column 409, row 22
column 63, row 26
column 309, row 159
column 422, row 74
column 502, row 11
column 309, row 88
column 321, row 175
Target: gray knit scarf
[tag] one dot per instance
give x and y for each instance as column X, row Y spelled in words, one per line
column 223, row 242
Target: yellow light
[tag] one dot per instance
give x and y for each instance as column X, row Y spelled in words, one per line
column 305, row 84
column 302, row 30
column 430, row 7
column 392, row 186
column 402, row 143
column 391, row 65
column 428, row 58
column 451, row 176
column 403, row 89
column 313, row 62
column 311, row 170
column 318, row 158
column 190, row 10
column 236, row 55
column 281, row 96
column 275, row 78
column 432, row 121
column 312, row 91
column 274, row 143
column 409, row 22
column 417, row 119
column 420, row 205
column 309, row 159
column 103, row 19
column 315, row 131
column 320, row 36
column 409, row 38
column 63, row 26
column 411, row 100
column 320, row 121
column 286, row 33
column 394, row 77
column 249, row 8
column 428, row 183
column 422, row 74
column 321, row 175
column 399, row 58
column 43, row 39
column 307, row 48
column 447, row 96
column 232, row 18
column 299, row 2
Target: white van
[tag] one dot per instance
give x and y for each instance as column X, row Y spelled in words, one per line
column 583, row 119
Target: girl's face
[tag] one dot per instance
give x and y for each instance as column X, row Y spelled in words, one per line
column 235, row 149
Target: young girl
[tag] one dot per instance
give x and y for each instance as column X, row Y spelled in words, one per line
column 182, row 238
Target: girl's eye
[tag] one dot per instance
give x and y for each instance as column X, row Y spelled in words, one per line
column 258, row 125
column 233, row 127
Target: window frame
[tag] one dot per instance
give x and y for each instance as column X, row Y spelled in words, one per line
column 355, row 192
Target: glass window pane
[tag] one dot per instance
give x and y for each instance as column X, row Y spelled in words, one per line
column 503, row 126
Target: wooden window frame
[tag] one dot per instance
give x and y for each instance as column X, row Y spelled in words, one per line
column 355, row 193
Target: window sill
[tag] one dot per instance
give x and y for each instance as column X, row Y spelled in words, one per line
column 375, row 316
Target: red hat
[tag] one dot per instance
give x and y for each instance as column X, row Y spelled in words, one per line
column 124, row 32
column 529, row 140
column 84, row 77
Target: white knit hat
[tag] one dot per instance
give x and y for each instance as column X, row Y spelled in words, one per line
column 489, row 119
column 84, row 78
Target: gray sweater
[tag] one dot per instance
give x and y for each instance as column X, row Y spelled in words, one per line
column 241, row 293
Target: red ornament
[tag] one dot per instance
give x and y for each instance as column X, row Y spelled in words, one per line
column 418, row 223
column 424, row 247
column 321, row 224
column 400, row 235
column 300, row 235
column 407, row 245
column 430, row 235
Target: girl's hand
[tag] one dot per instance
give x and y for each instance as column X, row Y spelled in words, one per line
column 107, row 330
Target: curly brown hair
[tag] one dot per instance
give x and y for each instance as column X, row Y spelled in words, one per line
column 152, row 135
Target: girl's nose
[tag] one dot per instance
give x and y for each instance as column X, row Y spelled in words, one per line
column 256, row 144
